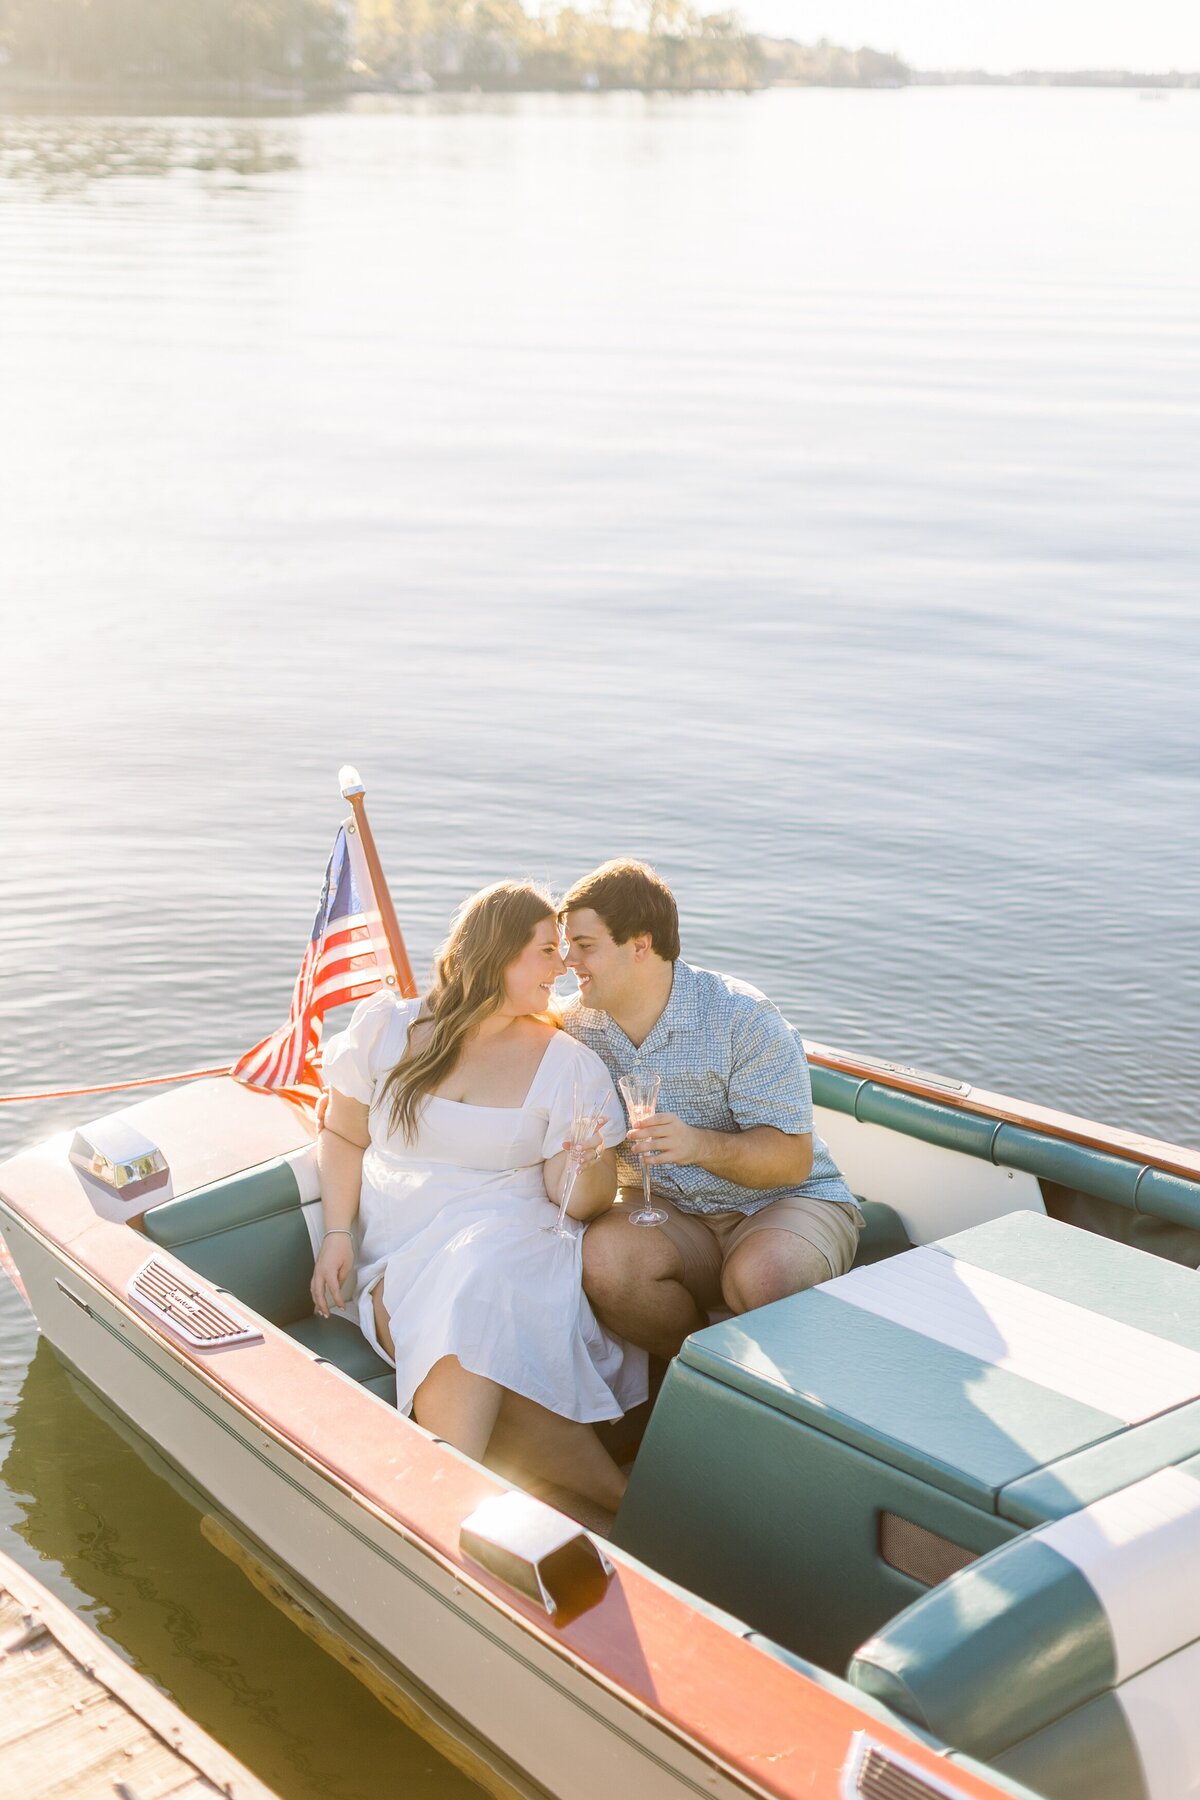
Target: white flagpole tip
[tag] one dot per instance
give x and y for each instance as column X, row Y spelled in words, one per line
column 350, row 782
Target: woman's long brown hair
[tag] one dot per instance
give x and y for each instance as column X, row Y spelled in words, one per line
column 489, row 931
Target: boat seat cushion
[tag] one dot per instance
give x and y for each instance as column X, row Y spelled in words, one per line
column 246, row 1235
column 340, row 1342
column 883, row 1234
column 1050, row 1624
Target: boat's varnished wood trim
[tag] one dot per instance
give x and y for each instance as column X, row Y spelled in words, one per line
column 419, row 1713
column 1131, row 1146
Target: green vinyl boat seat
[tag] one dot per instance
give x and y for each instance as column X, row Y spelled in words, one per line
column 1069, row 1173
column 815, row 1466
column 882, row 1235
column 1070, row 1658
column 248, row 1236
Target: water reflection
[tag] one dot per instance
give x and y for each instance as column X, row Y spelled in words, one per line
column 122, row 1544
column 63, row 155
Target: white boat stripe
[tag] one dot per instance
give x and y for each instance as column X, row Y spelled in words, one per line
column 1098, row 1361
column 303, row 1164
column 314, row 1217
column 1164, row 1722
column 1139, row 1551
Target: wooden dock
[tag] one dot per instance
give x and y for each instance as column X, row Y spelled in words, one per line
column 77, row 1723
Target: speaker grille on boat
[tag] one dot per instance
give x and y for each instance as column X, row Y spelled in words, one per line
column 878, row 1774
column 189, row 1313
column 920, row 1554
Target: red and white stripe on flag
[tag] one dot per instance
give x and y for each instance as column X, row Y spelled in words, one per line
column 347, row 958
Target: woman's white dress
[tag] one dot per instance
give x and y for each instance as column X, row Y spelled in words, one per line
column 454, row 1225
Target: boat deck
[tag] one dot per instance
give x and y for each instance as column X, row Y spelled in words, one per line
column 75, row 1720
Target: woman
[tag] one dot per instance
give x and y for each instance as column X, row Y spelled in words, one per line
column 444, row 1144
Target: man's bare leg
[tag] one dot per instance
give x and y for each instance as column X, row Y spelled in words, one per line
column 770, row 1265
column 634, row 1280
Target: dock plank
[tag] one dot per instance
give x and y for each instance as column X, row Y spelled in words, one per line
column 77, row 1722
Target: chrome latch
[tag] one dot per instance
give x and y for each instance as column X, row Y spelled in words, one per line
column 537, row 1551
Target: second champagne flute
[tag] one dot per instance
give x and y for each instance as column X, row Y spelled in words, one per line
column 640, row 1092
column 586, row 1120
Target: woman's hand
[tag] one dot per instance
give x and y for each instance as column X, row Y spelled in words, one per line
column 596, row 1184
column 340, row 1148
column 333, row 1268
column 592, row 1150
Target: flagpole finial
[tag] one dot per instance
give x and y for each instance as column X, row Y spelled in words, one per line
column 350, row 781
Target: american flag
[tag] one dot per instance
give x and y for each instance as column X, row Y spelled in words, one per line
column 347, row 958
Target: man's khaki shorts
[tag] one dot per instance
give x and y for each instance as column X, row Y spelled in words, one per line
column 706, row 1241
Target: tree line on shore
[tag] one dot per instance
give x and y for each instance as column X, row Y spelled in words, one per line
column 411, row 45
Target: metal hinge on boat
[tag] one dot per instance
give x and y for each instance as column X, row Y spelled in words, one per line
column 876, row 1772
column 190, row 1313
column 907, row 1072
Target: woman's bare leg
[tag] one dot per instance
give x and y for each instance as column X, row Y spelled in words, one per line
column 529, row 1440
column 474, row 1414
column 460, row 1407
column 383, row 1327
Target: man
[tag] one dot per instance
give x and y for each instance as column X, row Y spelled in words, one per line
column 756, row 1208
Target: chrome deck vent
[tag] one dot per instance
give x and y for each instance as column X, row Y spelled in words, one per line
column 873, row 1772
column 189, row 1313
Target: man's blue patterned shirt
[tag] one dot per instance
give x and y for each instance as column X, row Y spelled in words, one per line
column 729, row 1060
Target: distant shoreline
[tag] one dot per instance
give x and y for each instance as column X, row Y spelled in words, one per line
column 1076, row 78
column 16, row 88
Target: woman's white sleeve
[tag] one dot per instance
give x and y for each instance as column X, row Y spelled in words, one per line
column 583, row 1066
column 355, row 1058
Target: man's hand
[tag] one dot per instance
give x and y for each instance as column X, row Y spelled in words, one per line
column 321, row 1108
column 334, row 1265
column 757, row 1157
column 666, row 1139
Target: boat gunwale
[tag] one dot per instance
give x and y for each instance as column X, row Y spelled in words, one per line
column 1071, row 1128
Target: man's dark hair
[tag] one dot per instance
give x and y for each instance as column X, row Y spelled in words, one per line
column 631, row 898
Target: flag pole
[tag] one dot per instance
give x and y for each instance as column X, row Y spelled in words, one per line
column 354, row 791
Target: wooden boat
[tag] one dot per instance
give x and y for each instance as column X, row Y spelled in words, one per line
column 932, row 1529
column 77, row 1720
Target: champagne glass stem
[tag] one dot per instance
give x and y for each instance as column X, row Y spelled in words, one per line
column 568, row 1188
column 646, row 1184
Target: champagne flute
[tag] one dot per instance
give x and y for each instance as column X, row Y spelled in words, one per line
column 586, row 1120
column 640, row 1091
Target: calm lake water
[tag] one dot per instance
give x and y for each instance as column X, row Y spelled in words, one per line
column 799, row 491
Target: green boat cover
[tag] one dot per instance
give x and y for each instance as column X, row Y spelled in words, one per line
column 969, row 1389
column 1076, row 1647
